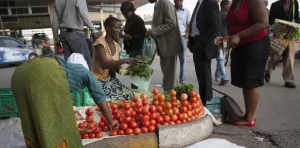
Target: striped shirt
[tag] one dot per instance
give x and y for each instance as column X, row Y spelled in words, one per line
column 79, row 78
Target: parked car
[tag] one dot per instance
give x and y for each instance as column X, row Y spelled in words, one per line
column 13, row 51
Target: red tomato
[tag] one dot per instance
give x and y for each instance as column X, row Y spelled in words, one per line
column 133, row 125
column 185, row 103
column 166, row 118
column 175, row 110
column 89, row 118
column 183, row 97
column 173, row 99
column 182, row 109
column 118, row 115
column 152, row 122
column 161, row 98
column 115, row 112
column 127, row 119
column 189, row 113
column 193, row 94
column 170, row 112
column 135, row 99
column 152, row 109
column 138, row 110
column 133, row 114
column 99, row 135
column 138, row 104
column 89, row 112
column 144, row 130
column 81, row 125
column 145, row 111
column 101, row 124
column 189, row 107
column 85, row 136
column 178, row 122
column 172, row 93
column 193, row 99
column 97, row 130
column 144, row 102
column 137, row 131
column 105, row 129
column 151, row 129
column 146, row 118
column 128, row 131
column 102, row 118
column 146, row 124
column 126, row 106
column 184, row 121
column 159, row 109
column 155, row 103
column 113, row 133
column 143, row 96
column 180, row 116
column 159, row 119
column 155, row 91
column 113, row 106
column 194, row 105
column 185, row 116
column 174, row 104
column 127, row 113
column 92, row 126
column 153, row 115
column 120, row 132
column 92, row 135
column 172, row 123
column 174, row 118
column 123, row 126
column 165, row 123
column 167, row 106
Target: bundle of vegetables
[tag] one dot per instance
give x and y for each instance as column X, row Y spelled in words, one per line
column 184, row 89
column 141, row 69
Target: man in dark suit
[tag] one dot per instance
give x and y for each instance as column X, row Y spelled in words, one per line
column 204, row 28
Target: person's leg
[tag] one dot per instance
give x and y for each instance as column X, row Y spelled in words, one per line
column 203, row 73
column 182, row 61
column 66, row 48
column 288, row 65
column 77, row 43
column 251, row 97
column 217, row 72
column 168, row 68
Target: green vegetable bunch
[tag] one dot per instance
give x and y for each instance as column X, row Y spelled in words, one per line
column 141, row 69
column 183, row 88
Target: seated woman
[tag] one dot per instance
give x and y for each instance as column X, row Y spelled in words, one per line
column 106, row 61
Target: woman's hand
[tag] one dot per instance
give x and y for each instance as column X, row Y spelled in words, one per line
column 113, row 125
column 234, row 40
column 130, row 61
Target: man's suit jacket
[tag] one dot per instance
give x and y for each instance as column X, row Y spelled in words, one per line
column 165, row 29
column 209, row 26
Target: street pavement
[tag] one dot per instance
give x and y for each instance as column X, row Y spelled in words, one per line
column 278, row 120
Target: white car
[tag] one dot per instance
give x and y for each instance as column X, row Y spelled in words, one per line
column 13, row 51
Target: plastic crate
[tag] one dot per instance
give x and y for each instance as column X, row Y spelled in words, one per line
column 8, row 106
column 5, row 92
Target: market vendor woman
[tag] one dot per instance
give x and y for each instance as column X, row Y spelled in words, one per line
column 41, row 88
column 106, row 61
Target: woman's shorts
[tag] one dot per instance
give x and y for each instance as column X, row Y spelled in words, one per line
column 248, row 63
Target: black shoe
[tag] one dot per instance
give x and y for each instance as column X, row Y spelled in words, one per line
column 223, row 82
column 290, row 85
column 267, row 77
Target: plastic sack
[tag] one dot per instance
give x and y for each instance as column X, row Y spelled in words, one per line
column 149, row 48
column 141, row 83
column 88, row 101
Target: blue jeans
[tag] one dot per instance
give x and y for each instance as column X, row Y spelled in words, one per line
column 75, row 42
column 132, row 54
column 182, row 60
column 220, row 73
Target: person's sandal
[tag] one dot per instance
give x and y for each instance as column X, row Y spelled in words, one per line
column 223, row 82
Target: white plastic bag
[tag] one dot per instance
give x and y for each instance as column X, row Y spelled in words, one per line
column 141, row 83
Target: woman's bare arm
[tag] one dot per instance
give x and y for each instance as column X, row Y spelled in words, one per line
column 105, row 63
column 260, row 16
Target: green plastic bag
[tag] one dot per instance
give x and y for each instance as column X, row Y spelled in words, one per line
column 149, row 48
column 141, row 83
column 88, row 100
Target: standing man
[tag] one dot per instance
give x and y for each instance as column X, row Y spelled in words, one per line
column 285, row 10
column 204, row 28
column 220, row 74
column 165, row 31
column 183, row 16
column 69, row 16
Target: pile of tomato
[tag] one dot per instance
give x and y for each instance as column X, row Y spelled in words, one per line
column 143, row 116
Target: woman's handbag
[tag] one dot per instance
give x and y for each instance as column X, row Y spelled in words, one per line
column 228, row 107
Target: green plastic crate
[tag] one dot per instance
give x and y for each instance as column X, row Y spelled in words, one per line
column 8, row 106
column 5, row 92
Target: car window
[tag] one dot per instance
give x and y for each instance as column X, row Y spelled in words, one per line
column 11, row 43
